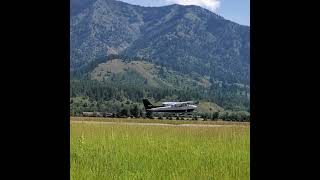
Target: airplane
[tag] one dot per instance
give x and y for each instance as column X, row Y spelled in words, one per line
column 172, row 107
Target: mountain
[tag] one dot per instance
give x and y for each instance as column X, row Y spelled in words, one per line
column 184, row 39
column 145, row 74
column 117, row 78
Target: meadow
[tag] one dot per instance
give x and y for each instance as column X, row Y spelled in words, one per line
column 115, row 151
column 163, row 121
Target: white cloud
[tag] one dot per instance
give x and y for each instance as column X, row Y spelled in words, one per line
column 211, row 5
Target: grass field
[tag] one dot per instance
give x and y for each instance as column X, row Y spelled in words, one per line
column 100, row 151
column 141, row 120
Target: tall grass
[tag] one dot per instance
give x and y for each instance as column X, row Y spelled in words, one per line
column 100, row 151
column 141, row 120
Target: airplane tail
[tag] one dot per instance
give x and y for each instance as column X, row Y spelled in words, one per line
column 147, row 104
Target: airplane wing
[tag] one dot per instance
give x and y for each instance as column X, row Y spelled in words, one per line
column 176, row 104
column 179, row 103
column 169, row 103
column 185, row 102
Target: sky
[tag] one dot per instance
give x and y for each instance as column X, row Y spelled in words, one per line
column 234, row 10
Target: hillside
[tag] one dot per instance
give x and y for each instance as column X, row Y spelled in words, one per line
column 145, row 74
column 121, row 79
column 121, row 53
column 185, row 39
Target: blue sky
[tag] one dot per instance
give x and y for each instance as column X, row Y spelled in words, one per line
column 234, row 10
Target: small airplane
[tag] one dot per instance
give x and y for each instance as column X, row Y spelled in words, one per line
column 173, row 107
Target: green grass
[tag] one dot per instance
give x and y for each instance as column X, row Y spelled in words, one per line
column 99, row 151
column 141, row 120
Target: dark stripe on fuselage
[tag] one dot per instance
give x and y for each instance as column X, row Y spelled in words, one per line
column 182, row 110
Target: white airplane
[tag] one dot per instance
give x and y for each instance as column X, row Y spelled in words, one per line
column 174, row 107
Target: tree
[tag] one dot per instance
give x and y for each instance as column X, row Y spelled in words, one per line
column 149, row 115
column 204, row 118
column 215, row 115
column 194, row 117
column 223, row 116
column 124, row 112
column 134, row 111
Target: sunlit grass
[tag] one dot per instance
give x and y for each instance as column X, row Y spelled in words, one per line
column 141, row 120
column 99, row 151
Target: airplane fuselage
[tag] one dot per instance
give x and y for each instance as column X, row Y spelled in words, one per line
column 189, row 108
column 171, row 107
